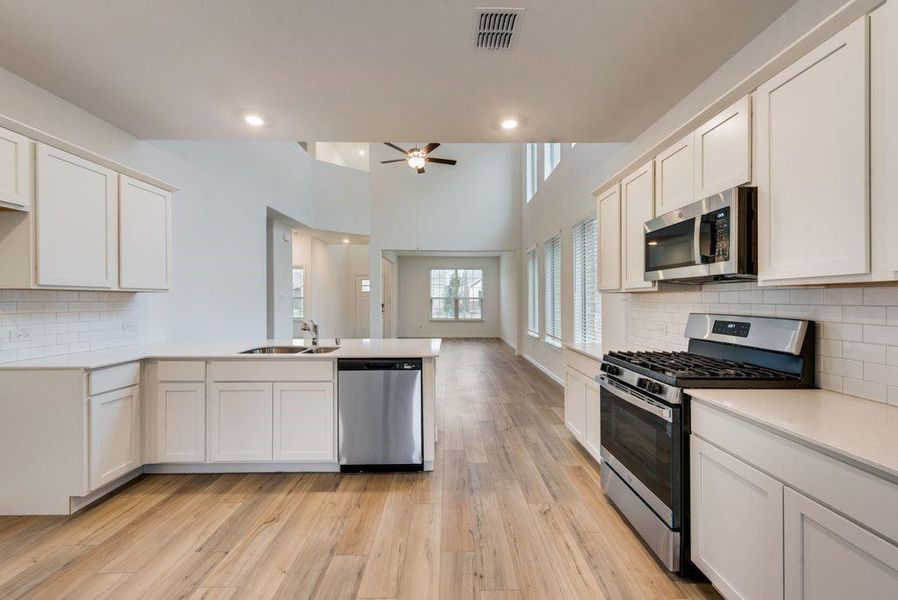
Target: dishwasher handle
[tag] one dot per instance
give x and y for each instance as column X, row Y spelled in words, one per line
column 367, row 364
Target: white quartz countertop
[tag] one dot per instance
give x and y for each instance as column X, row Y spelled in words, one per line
column 593, row 351
column 860, row 431
column 353, row 348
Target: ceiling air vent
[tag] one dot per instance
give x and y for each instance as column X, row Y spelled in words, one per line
column 497, row 28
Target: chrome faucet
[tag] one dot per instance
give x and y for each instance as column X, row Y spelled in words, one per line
column 312, row 328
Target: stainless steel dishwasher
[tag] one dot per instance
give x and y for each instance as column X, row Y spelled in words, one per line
column 380, row 414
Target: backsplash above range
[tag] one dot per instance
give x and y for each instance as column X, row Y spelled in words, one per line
column 857, row 327
column 36, row 323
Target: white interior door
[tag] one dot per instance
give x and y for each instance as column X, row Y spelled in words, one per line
column 362, row 287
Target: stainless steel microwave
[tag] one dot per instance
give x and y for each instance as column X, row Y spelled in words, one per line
column 714, row 239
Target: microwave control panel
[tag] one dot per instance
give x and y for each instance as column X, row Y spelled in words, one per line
column 720, row 230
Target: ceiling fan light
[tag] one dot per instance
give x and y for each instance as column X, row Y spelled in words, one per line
column 416, row 162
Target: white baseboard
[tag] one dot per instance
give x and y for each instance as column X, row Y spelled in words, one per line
column 509, row 344
column 76, row 503
column 546, row 371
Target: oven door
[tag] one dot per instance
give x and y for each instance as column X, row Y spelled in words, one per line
column 641, row 441
column 673, row 245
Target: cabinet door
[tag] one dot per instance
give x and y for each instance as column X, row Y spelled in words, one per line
column 575, row 403
column 737, row 524
column 240, row 422
column 181, row 422
column 827, row 557
column 75, row 225
column 723, row 150
column 15, row 169
column 813, row 204
column 675, row 176
column 593, row 439
column 637, row 205
column 114, row 435
column 144, row 235
column 884, row 137
column 609, row 262
column 304, row 422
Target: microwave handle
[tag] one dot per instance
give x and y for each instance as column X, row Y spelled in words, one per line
column 697, row 241
column 644, row 404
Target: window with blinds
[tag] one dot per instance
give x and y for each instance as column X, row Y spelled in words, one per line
column 552, row 267
column 532, row 293
column 530, row 169
column 456, row 294
column 551, row 158
column 587, row 302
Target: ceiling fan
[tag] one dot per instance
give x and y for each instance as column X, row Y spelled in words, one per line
column 418, row 157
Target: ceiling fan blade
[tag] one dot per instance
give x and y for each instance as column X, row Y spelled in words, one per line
column 431, row 147
column 421, row 171
column 442, row 161
column 394, row 146
column 383, row 162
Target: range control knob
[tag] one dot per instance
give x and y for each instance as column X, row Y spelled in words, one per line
column 652, row 387
column 610, row 369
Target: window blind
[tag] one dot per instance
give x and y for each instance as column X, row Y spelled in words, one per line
column 553, row 290
column 532, row 293
column 456, row 294
column 587, row 302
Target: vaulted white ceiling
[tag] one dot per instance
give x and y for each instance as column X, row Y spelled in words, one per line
column 342, row 70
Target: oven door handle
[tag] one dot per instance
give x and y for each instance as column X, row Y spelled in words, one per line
column 645, row 404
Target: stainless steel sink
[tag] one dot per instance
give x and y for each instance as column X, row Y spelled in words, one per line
column 319, row 350
column 275, row 350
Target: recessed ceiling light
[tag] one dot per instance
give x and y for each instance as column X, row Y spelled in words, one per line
column 254, row 120
column 361, row 153
column 510, row 124
column 345, row 240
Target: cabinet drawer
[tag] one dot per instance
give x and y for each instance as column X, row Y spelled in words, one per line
column 181, row 370
column 113, row 378
column 272, row 370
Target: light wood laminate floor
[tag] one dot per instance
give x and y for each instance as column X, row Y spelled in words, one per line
column 513, row 509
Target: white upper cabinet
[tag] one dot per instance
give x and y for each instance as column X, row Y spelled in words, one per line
column 675, row 177
column 144, row 235
column 609, row 263
column 812, row 172
column 723, row 150
column 828, row 557
column 637, row 207
column 15, row 170
column 75, row 225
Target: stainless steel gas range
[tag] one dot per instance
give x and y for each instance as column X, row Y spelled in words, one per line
column 645, row 414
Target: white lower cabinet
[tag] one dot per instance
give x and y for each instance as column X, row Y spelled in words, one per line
column 592, row 440
column 304, row 421
column 736, row 524
column 114, row 435
column 181, row 422
column 240, row 422
column 828, row 557
column 575, row 403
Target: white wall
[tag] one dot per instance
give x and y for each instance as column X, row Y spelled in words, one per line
column 413, row 278
column 280, row 280
column 219, row 214
column 508, row 298
column 473, row 206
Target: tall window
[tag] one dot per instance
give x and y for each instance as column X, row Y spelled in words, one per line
column 551, row 158
column 532, row 293
column 587, row 302
column 553, row 291
column 530, row 168
column 456, row 294
column 299, row 292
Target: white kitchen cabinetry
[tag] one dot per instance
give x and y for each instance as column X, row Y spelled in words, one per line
column 144, row 235
column 592, row 440
column 575, row 403
column 828, row 557
column 240, row 422
column 723, row 150
column 609, row 263
column 637, row 207
column 114, row 435
column 15, row 170
column 737, row 524
column 181, row 422
column 304, row 422
column 75, row 226
column 675, row 176
column 813, row 161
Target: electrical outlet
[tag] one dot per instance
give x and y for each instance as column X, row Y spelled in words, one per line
column 128, row 326
column 20, row 334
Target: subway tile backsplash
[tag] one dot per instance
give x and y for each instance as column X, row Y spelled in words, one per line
column 857, row 327
column 36, row 323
